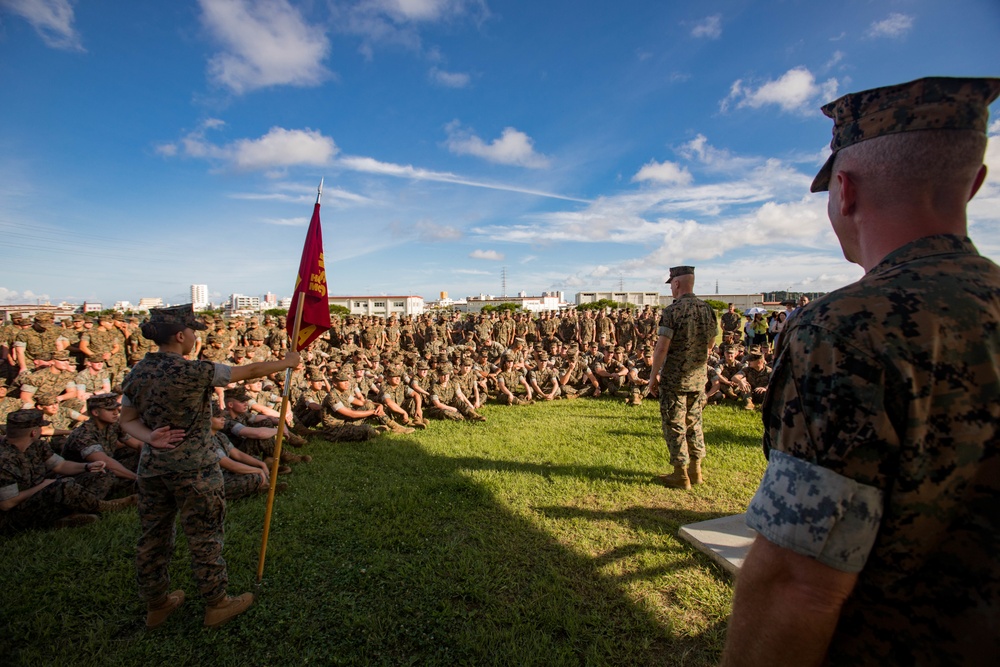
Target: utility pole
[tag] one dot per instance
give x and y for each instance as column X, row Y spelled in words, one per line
column 503, row 280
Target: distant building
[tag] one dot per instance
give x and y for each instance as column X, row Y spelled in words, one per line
column 199, row 297
column 380, row 305
column 534, row 304
column 242, row 302
column 147, row 302
column 63, row 311
column 94, row 307
column 640, row 299
column 120, row 306
column 285, row 303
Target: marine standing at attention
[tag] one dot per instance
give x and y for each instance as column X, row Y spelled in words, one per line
column 878, row 516
column 167, row 405
column 686, row 333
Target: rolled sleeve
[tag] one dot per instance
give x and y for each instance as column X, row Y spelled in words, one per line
column 53, row 461
column 9, row 491
column 816, row 512
column 222, row 376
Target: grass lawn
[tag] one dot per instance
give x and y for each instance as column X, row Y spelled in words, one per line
column 536, row 538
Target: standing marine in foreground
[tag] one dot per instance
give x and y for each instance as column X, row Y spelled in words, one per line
column 685, row 335
column 167, row 405
column 878, row 514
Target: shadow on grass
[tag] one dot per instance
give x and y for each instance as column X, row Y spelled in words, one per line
column 382, row 554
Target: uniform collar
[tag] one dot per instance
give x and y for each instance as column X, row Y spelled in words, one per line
column 928, row 246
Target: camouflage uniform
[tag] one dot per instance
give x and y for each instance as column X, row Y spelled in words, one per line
column 894, row 482
column 338, row 429
column 237, row 485
column 20, row 471
column 691, row 326
column 882, row 423
column 92, row 437
column 167, row 389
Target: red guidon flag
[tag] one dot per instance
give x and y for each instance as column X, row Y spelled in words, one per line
column 310, row 285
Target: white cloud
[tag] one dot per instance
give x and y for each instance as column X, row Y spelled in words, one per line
column 834, row 60
column 513, row 147
column 279, row 148
column 25, row 297
column 431, row 232
column 710, row 26
column 51, row 19
column 397, row 22
column 895, row 25
column 668, row 173
column 266, row 43
column 794, row 91
column 491, row 255
column 284, row 148
column 449, row 79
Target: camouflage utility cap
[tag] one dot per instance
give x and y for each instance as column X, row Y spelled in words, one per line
column 932, row 103
column 102, row 402
column 183, row 314
column 237, row 394
column 25, row 419
column 676, row 271
column 45, row 398
column 60, row 355
column 44, row 317
column 342, row 376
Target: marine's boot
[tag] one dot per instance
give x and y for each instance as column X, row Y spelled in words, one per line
column 418, row 424
column 398, row 428
column 748, row 405
column 694, row 472
column 282, row 470
column 115, row 505
column 678, row 479
column 226, row 608
column 158, row 612
column 294, row 440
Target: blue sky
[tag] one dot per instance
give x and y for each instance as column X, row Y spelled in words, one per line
column 145, row 146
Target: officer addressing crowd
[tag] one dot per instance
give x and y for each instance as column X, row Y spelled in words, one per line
column 878, row 521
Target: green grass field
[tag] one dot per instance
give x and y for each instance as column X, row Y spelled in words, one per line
column 536, row 538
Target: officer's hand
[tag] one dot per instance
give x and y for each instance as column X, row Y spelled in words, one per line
column 291, row 359
column 166, row 437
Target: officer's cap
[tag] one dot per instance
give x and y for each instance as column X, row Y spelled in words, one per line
column 182, row 315
column 932, row 103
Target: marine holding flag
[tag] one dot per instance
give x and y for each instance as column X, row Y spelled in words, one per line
column 167, row 405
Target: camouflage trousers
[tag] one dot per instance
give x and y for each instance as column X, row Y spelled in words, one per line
column 347, row 432
column 199, row 497
column 257, row 448
column 67, row 495
column 680, row 414
column 437, row 413
column 240, row 485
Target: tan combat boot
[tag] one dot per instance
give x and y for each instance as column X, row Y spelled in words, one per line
column 678, row 479
column 158, row 612
column 398, row 428
column 115, row 505
column 226, row 609
column 694, row 472
column 748, row 405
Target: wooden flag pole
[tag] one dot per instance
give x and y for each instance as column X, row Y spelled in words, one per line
column 276, row 463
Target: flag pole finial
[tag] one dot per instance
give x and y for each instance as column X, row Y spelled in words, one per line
column 319, row 190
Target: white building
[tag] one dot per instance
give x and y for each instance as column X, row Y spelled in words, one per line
column 199, row 297
column 120, row 306
column 383, row 306
column 270, row 301
column 147, row 302
column 238, row 302
column 641, row 299
column 534, row 304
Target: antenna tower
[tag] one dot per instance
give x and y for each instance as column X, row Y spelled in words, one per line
column 503, row 280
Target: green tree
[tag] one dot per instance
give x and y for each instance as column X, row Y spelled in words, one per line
column 275, row 312
column 336, row 309
column 717, row 305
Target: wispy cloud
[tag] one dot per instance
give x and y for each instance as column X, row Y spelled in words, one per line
column 373, row 166
column 491, row 255
column 398, row 22
column 895, row 25
column 710, row 27
column 795, row 91
column 265, row 43
column 431, row 232
column 512, row 147
column 449, row 79
column 51, row 19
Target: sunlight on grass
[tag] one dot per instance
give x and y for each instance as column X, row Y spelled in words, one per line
column 535, row 538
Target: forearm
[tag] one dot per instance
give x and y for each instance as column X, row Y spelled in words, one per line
column 785, row 608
